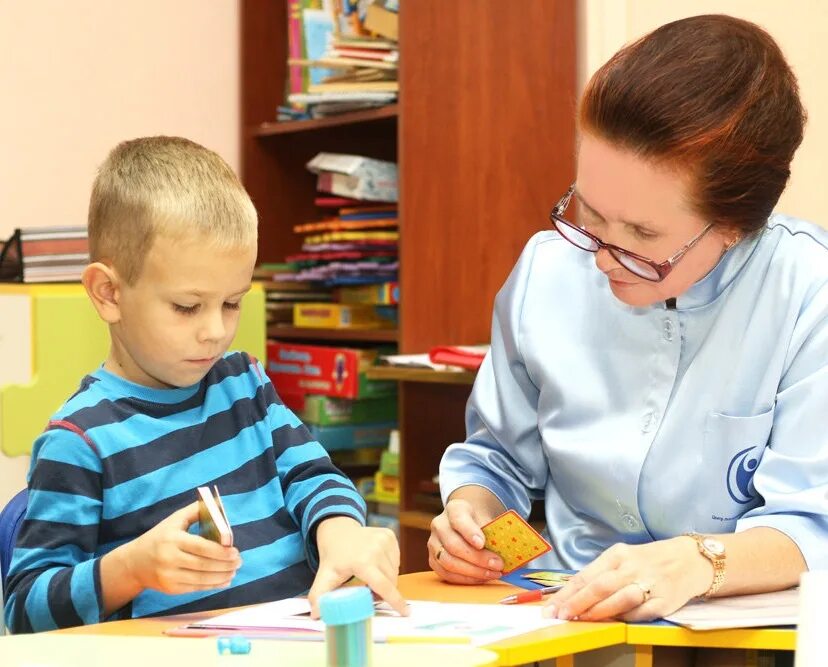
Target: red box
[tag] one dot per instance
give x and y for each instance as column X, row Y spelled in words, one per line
column 329, row 371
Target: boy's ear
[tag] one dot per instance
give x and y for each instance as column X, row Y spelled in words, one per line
column 104, row 289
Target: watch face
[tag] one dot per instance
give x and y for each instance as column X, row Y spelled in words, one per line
column 714, row 546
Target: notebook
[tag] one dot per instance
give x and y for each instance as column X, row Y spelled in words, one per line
column 213, row 523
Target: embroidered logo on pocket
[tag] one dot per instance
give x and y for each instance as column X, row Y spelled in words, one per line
column 740, row 476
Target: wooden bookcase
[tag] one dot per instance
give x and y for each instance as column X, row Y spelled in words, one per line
column 484, row 137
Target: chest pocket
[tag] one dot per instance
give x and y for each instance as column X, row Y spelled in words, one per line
column 733, row 449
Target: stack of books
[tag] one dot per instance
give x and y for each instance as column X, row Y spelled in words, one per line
column 354, row 249
column 342, row 56
column 282, row 295
column 327, row 388
column 45, row 254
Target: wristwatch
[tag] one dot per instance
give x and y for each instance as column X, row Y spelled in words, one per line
column 714, row 551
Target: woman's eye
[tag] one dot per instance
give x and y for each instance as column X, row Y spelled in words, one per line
column 232, row 306
column 185, row 310
column 644, row 235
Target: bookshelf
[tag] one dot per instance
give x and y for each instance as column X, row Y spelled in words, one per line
column 402, row 374
column 269, row 129
column 484, row 137
column 283, row 332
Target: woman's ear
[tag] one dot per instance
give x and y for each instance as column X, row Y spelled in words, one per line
column 103, row 287
column 733, row 239
column 730, row 237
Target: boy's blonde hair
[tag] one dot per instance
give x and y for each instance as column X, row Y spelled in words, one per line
column 165, row 186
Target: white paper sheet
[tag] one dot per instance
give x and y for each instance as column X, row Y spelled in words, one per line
column 478, row 623
column 740, row 611
column 416, row 361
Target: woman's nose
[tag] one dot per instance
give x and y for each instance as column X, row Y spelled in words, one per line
column 605, row 261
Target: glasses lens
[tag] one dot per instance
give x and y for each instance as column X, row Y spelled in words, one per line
column 574, row 235
column 639, row 268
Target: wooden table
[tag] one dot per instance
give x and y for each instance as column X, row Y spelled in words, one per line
column 562, row 641
column 557, row 641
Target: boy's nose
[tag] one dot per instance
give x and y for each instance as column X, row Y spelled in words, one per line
column 213, row 327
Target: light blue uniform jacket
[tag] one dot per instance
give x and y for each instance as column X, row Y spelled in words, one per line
column 640, row 424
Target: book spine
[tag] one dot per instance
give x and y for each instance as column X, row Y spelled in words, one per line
column 64, row 246
column 295, row 46
column 57, row 231
column 372, row 215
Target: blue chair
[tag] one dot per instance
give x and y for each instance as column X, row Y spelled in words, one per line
column 11, row 519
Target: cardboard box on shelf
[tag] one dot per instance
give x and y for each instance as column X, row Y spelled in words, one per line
column 328, row 411
column 352, row 436
column 328, row 371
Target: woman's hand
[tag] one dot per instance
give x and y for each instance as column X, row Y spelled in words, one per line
column 348, row 549
column 455, row 547
column 634, row 583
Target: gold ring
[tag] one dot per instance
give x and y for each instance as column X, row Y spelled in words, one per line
column 439, row 553
column 645, row 590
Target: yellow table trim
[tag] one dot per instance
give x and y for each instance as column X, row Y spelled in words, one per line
column 557, row 641
column 774, row 639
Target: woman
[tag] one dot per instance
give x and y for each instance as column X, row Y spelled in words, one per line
column 659, row 365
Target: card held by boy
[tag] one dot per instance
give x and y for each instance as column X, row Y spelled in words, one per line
column 213, row 523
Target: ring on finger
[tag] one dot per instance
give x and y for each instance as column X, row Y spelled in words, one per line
column 645, row 590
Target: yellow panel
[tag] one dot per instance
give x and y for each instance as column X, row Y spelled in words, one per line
column 69, row 341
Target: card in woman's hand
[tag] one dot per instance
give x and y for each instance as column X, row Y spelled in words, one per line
column 514, row 540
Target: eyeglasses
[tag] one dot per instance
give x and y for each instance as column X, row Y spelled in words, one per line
column 634, row 263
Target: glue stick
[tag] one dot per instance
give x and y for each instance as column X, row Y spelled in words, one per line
column 347, row 614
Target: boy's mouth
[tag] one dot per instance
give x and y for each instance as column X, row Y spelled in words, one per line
column 206, row 360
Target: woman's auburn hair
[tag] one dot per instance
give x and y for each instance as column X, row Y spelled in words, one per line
column 712, row 96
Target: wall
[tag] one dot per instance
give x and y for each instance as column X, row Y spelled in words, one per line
column 800, row 28
column 78, row 77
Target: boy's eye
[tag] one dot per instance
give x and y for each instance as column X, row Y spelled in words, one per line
column 185, row 310
column 232, row 305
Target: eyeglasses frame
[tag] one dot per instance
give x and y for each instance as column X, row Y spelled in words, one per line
column 662, row 269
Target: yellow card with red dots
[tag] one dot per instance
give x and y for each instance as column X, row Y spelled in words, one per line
column 514, row 540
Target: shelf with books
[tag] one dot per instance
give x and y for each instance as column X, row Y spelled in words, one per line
column 44, row 254
column 268, row 129
column 283, row 332
column 466, row 128
column 420, row 375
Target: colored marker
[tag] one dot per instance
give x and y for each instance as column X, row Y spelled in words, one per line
column 531, row 596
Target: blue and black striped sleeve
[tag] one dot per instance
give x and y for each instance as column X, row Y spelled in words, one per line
column 313, row 487
column 54, row 578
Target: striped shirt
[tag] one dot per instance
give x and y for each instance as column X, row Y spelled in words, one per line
column 118, row 458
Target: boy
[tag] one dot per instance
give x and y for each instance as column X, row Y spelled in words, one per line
column 112, row 483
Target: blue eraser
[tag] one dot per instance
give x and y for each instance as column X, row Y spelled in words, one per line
column 234, row 645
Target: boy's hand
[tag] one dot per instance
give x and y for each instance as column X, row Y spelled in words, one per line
column 169, row 559
column 347, row 549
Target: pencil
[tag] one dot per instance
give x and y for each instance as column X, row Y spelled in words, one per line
column 531, row 596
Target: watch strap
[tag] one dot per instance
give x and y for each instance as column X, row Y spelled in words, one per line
column 716, row 560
